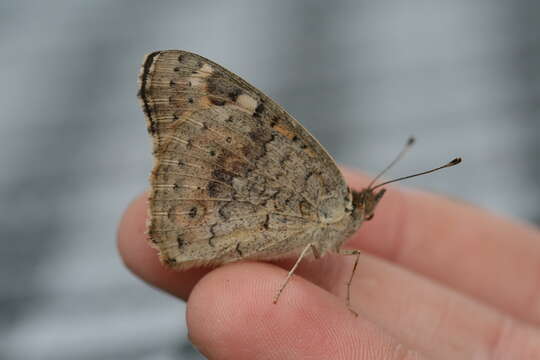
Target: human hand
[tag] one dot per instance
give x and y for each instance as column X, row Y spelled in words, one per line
column 437, row 279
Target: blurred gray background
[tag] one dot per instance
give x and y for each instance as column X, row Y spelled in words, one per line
column 361, row 75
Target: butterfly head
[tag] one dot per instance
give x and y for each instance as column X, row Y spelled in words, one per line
column 365, row 202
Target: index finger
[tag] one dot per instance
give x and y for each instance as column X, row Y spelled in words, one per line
column 453, row 243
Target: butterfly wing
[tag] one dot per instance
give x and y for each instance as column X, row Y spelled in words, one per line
column 234, row 176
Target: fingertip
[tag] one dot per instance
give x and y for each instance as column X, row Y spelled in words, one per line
column 131, row 234
column 230, row 314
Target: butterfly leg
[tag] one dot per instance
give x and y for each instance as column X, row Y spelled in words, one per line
column 293, row 269
column 357, row 254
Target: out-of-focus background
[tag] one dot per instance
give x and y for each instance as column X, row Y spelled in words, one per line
column 462, row 76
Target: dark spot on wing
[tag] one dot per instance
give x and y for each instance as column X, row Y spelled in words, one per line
column 221, row 87
column 153, row 236
column 223, row 175
column 180, row 241
column 238, row 249
column 152, row 128
column 212, row 235
column 258, row 110
column 216, row 101
column 214, row 189
column 170, row 261
column 224, row 215
column 233, row 95
column 260, row 135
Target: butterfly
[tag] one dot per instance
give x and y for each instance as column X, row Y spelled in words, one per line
column 236, row 177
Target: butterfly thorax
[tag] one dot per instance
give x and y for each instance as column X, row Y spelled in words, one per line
column 360, row 208
column 332, row 211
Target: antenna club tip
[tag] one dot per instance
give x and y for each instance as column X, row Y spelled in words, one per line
column 455, row 161
column 411, row 141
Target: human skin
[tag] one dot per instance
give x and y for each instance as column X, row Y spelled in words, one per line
column 438, row 279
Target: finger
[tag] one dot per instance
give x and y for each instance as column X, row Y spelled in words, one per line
column 230, row 315
column 437, row 321
column 457, row 244
column 143, row 260
column 488, row 272
column 367, row 340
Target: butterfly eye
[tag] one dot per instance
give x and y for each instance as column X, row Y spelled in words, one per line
column 369, row 217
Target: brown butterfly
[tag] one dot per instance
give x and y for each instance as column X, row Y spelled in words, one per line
column 235, row 176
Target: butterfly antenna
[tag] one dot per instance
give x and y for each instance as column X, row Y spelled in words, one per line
column 451, row 163
column 408, row 145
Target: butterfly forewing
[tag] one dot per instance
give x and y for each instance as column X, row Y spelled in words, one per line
column 235, row 176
